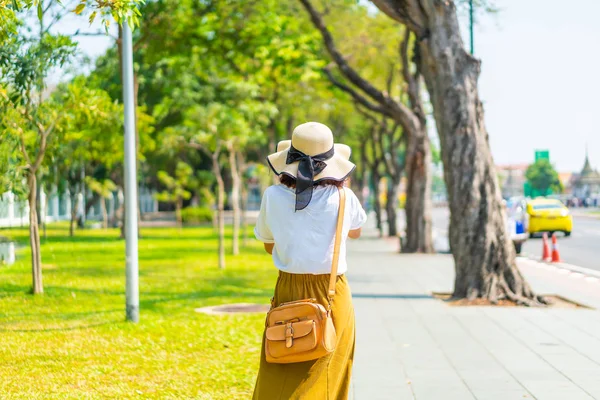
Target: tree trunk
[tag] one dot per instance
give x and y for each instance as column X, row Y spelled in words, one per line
column 272, row 134
column 104, row 213
column 418, row 196
column 81, row 219
column 34, row 236
column 362, row 179
column 74, row 206
column 375, row 178
column 483, row 254
column 244, row 200
column 235, row 199
column 91, row 202
column 123, row 211
column 244, row 217
column 220, row 208
column 178, row 207
column 391, row 207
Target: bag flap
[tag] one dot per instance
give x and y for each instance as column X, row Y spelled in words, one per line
column 299, row 329
column 299, row 310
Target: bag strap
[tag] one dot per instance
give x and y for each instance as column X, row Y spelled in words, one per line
column 336, row 246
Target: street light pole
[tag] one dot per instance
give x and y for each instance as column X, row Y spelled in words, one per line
column 471, row 25
column 132, row 298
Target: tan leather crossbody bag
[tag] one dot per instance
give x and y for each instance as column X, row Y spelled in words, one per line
column 303, row 330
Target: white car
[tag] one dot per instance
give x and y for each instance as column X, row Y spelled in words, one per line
column 517, row 222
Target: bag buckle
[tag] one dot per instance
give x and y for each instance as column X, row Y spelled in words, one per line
column 289, row 335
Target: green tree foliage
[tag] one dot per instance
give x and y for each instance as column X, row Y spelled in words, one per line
column 91, row 139
column 177, row 187
column 543, row 178
column 119, row 10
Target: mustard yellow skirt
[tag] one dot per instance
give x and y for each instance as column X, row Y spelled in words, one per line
column 327, row 378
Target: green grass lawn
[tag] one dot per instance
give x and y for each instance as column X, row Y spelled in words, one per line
column 72, row 342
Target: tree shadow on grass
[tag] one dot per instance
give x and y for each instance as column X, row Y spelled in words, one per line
column 224, row 288
column 8, row 289
column 80, row 239
column 66, row 328
column 221, row 290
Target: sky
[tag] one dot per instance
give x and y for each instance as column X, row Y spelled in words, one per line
column 540, row 79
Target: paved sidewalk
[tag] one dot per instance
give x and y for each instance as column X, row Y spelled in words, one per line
column 411, row 346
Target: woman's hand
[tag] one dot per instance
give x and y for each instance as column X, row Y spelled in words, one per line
column 269, row 247
column 354, row 234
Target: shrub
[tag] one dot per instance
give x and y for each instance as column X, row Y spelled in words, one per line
column 196, row 215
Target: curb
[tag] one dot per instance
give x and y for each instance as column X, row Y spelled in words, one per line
column 591, row 273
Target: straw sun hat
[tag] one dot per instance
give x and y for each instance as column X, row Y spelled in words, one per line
column 310, row 157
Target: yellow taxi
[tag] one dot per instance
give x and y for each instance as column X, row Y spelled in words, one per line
column 549, row 215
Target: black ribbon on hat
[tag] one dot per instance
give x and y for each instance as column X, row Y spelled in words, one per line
column 308, row 167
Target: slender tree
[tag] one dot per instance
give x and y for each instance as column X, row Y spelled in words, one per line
column 30, row 119
column 410, row 117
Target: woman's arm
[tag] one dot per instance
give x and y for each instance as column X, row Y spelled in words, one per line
column 355, row 233
column 269, row 247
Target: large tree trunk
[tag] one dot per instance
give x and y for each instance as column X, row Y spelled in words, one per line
column 484, row 257
column 235, row 199
column 418, row 196
column 220, row 208
column 34, row 236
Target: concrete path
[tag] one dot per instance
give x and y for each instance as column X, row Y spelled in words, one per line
column 411, row 346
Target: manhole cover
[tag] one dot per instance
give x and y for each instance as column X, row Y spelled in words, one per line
column 234, row 309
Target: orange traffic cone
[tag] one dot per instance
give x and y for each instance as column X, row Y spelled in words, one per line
column 555, row 253
column 546, row 248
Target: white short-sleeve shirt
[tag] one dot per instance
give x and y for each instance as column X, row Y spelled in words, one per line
column 304, row 239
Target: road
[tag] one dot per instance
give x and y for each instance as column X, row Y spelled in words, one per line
column 581, row 249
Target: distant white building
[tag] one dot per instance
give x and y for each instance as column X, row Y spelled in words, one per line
column 587, row 183
column 57, row 207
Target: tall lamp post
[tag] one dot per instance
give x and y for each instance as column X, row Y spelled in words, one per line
column 132, row 297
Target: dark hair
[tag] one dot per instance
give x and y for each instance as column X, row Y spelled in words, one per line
column 291, row 182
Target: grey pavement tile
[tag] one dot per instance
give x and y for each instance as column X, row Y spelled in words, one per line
column 573, row 364
column 577, row 328
column 370, row 392
column 542, row 391
column 492, row 393
column 526, row 366
column 432, row 391
column 466, row 354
